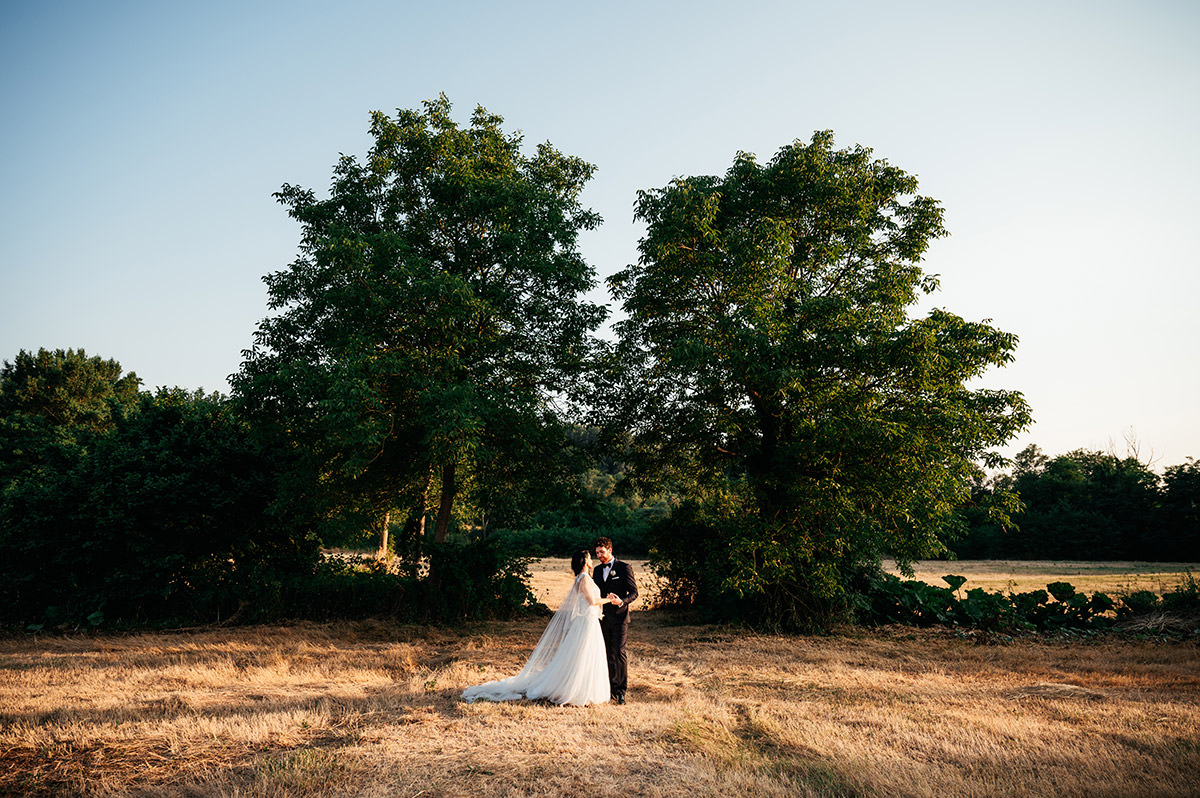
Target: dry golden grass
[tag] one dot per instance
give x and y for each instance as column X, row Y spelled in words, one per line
column 371, row 709
column 1017, row 576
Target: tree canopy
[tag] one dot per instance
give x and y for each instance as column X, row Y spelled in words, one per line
column 51, row 399
column 768, row 352
column 431, row 318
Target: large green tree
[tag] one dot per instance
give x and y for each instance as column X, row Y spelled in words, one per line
column 768, row 351
column 432, row 317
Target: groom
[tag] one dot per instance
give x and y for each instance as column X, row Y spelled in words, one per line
column 615, row 580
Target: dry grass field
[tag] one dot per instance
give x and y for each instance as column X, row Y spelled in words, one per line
column 372, row 709
column 1018, row 576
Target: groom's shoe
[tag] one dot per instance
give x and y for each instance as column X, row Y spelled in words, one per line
column 619, row 698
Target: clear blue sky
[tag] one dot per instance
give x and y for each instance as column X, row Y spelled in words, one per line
column 142, row 141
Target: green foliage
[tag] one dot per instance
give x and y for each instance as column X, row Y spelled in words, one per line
column 688, row 547
column 1101, row 603
column 332, row 589
column 595, row 512
column 767, row 352
column 475, row 581
column 557, row 540
column 1062, row 591
column 51, row 401
column 431, row 317
column 461, row 581
column 1138, row 602
column 1180, row 512
column 1032, row 607
column 1185, row 598
column 696, row 551
column 983, row 610
column 67, row 390
column 167, row 516
column 954, row 580
column 884, row 598
column 170, row 516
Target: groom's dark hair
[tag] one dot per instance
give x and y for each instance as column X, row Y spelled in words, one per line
column 577, row 561
column 605, row 542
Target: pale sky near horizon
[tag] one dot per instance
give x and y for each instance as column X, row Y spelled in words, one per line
column 142, row 141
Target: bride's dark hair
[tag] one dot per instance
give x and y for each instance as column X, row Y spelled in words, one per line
column 577, row 561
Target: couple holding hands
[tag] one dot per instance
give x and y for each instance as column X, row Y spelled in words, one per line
column 580, row 658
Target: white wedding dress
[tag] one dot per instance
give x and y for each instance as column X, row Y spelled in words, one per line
column 568, row 665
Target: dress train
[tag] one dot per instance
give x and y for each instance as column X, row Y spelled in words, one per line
column 568, row 664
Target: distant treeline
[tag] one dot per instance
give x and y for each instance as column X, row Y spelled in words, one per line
column 1085, row 505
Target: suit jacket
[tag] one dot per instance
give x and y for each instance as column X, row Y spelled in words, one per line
column 620, row 581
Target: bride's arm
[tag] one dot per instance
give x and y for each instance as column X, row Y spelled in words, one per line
column 592, row 593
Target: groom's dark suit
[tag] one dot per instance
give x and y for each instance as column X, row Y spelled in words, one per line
column 615, row 622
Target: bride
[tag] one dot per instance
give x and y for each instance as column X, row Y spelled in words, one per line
column 568, row 665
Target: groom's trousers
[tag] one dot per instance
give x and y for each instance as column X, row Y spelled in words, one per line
column 614, row 646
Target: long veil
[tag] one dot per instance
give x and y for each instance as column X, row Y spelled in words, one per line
column 576, row 608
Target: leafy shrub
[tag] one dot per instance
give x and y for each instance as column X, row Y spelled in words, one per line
column 885, row 598
column 463, row 581
column 565, row 541
column 1138, row 602
column 955, row 581
column 983, row 610
column 719, row 558
column 1032, row 610
column 1062, row 591
column 1101, row 603
column 1185, row 598
column 473, row 581
column 333, row 589
column 165, row 518
column 892, row 600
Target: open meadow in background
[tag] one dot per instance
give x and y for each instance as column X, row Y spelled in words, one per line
column 373, row 708
column 1114, row 578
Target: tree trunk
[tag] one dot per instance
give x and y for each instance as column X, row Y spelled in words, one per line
column 449, row 488
column 413, row 544
column 423, row 504
column 761, row 466
column 383, row 535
